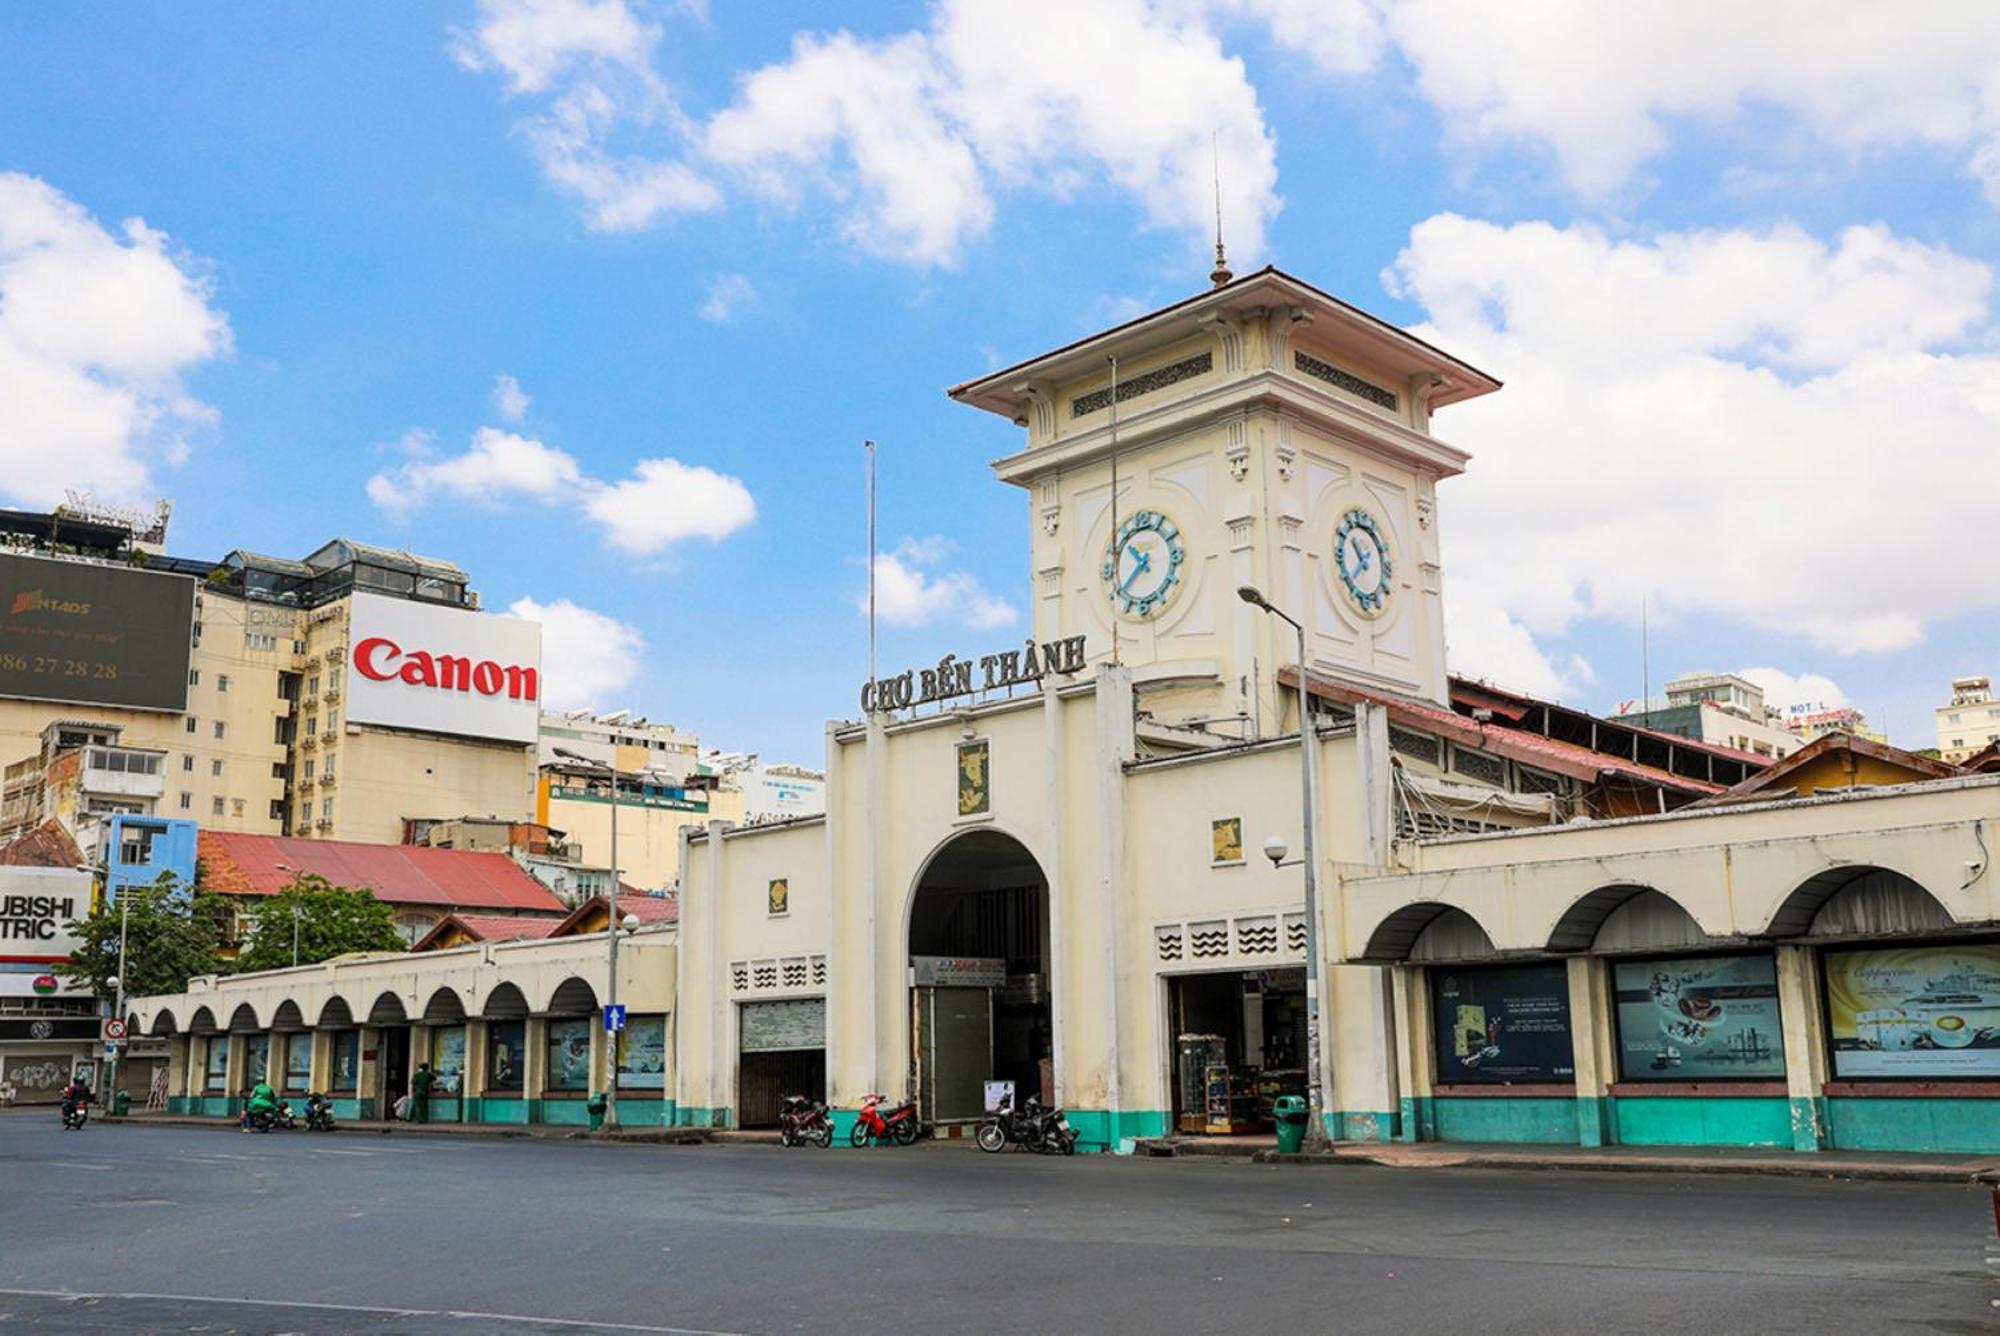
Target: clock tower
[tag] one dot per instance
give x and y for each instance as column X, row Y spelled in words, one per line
column 1261, row 433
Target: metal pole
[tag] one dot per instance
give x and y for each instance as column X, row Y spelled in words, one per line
column 124, row 923
column 611, row 935
column 1316, row 1138
column 295, row 934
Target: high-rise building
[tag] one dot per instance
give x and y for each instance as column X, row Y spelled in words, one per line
column 1719, row 708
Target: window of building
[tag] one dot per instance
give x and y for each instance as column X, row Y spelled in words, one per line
column 312, row 725
column 312, row 685
column 346, row 1065
column 310, row 763
column 220, row 728
column 187, row 762
column 298, row 647
column 215, row 807
column 260, row 640
column 215, row 769
column 332, row 720
column 333, row 679
column 277, row 770
column 194, row 679
column 193, row 724
column 298, row 1061
column 222, row 681
column 506, row 1054
column 329, row 765
column 1503, row 1025
column 215, row 1066
column 277, row 809
column 642, row 1053
column 1698, row 1018
column 236, row 807
column 187, row 801
column 135, row 845
column 569, row 1055
column 326, row 810
column 448, row 1059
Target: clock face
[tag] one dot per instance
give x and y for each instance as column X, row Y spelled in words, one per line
column 1142, row 568
column 1361, row 555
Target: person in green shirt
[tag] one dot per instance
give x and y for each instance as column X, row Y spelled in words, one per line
column 262, row 1099
column 420, row 1093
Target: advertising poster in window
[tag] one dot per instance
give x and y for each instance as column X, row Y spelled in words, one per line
column 448, row 1059
column 346, row 1059
column 216, row 1073
column 257, row 1058
column 1503, row 1025
column 298, row 1061
column 569, row 1055
column 1698, row 1019
column 506, row 1054
column 1915, row 1012
column 642, row 1054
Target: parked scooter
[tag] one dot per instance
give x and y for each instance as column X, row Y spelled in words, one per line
column 804, row 1121
column 899, row 1124
column 284, row 1117
column 319, row 1113
column 1011, row 1126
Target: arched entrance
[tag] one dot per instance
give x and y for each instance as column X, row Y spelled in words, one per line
column 979, row 972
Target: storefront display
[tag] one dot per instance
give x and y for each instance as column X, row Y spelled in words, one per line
column 256, row 1059
column 506, row 1055
column 1915, row 1012
column 1700, row 1018
column 298, row 1061
column 346, row 1059
column 448, row 1060
column 642, row 1053
column 569, row 1055
column 1503, row 1024
column 215, row 1073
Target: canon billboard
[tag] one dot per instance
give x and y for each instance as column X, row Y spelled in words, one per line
column 443, row 670
column 94, row 635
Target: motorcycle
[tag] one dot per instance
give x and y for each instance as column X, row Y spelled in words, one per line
column 1058, row 1137
column 319, row 1113
column 804, row 1121
column 284, row 1117
column 898, row 1125
column 1011, row 1126
column 75, row 1114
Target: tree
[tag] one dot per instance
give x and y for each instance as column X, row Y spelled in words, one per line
column 170, row 936
column 328, row 921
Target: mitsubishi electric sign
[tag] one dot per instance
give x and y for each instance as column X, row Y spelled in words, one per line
column 443, row 670
column 37, row 905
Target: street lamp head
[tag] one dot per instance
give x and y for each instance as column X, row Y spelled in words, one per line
column 1275, row 849
column 1254, row 596
column 629, row 923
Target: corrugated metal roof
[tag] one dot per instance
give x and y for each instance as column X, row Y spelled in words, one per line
column 403, row 874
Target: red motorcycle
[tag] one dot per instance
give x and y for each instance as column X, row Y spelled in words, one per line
column 899, row 1124
column 805, row 1121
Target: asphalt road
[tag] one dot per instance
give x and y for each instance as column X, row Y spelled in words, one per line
column 184, row 1229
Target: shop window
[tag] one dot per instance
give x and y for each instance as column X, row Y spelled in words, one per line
column 298, row 1061
column 506, row 1055
column 642, row 1053
column 346, row 1060
column 1702, row 1018
column 1915, row 1013
column 256, row 1059
column 215, row 1076
column 448, row 1059
column 569, row 1055
column 1503, row 1025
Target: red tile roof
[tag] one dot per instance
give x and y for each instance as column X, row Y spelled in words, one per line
column 489, row 928
column 47, row 845
column 646, row 908
column 399, row 874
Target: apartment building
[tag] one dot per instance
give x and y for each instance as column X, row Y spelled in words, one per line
column 1970, row 722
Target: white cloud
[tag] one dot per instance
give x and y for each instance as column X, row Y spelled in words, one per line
column 1601, row 86
column 665, row 501
column 1782, row 688
column 908, row 136
column 727, row 296
column 96, row 333
column 586, row 656
column 1751, row 425
column 908, row 594
column 510, row 400
column 499, row 467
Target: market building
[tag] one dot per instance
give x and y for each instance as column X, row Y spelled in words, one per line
column 1069, row 864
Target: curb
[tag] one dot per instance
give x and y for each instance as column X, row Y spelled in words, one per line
column 1806, row 1168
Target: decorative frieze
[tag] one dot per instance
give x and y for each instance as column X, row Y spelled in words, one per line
column 1343, row 380
column 1173, row 373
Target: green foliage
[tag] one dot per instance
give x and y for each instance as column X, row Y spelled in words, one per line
column 330, row 921
column 170, row 937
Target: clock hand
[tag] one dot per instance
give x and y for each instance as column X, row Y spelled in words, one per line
column 1362, row 557
column 1141, row 563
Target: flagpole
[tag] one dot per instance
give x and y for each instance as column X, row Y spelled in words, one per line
column 870, row 447
column 1117, row 556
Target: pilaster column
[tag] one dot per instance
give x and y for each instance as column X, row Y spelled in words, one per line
column 1115, row 746
column 1057, row 875
column 1415, row 1058
column 1596, row 1064
column 1799, row 1011
column 535, row 1066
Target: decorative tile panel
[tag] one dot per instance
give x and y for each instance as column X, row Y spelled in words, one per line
column 1257, row 936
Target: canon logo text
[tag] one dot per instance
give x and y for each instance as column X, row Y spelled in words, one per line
column 381, row 659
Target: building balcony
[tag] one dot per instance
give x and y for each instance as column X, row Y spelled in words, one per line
column 326, row 781
column 308, row 742
column 332, row 696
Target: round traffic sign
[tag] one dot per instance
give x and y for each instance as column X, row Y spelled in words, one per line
column 114, row 1029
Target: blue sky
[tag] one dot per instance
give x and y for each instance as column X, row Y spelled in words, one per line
column 1739, row 285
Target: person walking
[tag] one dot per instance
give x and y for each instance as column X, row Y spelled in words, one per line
column 420, row 1093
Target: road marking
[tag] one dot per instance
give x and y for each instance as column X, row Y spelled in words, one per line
column 467, row 1314
column 73, row 1164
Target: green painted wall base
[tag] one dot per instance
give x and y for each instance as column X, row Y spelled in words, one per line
column 1535, row 1120
column 560, row 1112
column 1642, row 1120
column 1102, row 1130
column 1956, row 1126
column 695, row 1116
column 1362, row 1126
column 1810, row 1129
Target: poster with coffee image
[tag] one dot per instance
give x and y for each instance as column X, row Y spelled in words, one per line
column 1698, row 1018
column 1915, row 1012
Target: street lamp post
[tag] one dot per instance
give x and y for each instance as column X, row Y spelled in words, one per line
column 124, row 924
column 1316, row 1139
column 610, row 929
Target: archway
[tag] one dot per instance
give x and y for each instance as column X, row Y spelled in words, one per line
column 979, row 965
column 1858, row 900
column 1395, row 936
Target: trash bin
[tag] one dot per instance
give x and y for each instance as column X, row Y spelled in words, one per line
column 1290, row 1111
column 596, row 1106
column 121, row 1103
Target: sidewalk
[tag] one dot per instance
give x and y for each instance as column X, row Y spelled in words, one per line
column 669, row 1136
column 1883, row 1165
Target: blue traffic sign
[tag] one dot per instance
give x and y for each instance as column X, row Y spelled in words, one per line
column 614, row 1018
